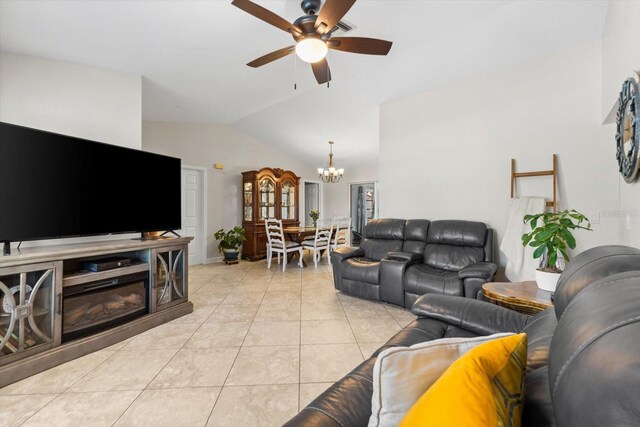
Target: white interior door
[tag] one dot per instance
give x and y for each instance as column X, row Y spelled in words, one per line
column 192, row 216
column 311, row 199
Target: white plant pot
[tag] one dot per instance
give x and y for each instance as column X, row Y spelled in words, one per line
column 547, row 281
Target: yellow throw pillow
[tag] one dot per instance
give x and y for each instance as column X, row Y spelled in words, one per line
column 484, row 388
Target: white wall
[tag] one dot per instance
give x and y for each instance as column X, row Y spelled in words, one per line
column 445, row 154
column 71, row 99
column 620, row 57
column 620, row 49
column 206, row 144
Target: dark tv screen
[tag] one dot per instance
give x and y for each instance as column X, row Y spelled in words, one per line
column 53, row 185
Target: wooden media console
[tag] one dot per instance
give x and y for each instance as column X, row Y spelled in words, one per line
column 53, row 311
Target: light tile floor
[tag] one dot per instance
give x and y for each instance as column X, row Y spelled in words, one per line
column 259, row 346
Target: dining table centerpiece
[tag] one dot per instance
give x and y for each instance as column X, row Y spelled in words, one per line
column 314, row 214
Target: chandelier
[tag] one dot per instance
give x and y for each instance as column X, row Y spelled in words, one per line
column 330, row 174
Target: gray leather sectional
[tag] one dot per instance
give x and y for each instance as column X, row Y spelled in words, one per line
column 583, row 359
column 400, row 260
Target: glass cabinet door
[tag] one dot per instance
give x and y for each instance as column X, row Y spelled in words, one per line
column 247, row 201
column 169, row 283
column 288, row 202
column 27, row 313
column 267, row 199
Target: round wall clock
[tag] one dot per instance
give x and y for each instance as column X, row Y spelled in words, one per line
column 628, row 132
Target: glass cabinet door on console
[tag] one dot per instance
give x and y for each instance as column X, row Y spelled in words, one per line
column 267, row 193
column 267, row 199
column 169, row 278
column 288, row 202
column 247, row 194
column 30, row 310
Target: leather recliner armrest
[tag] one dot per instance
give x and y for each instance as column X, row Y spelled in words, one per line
column 481, row 270
column 392, row 270
column 342, row 253
column 403, row 256
column 479, row 317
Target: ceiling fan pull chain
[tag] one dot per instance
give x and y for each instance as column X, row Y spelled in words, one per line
column 328, row 76
column 295, row 72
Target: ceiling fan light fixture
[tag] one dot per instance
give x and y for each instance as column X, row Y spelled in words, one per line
column 311, row 49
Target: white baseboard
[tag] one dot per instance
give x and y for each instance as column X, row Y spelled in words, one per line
column 214, row 260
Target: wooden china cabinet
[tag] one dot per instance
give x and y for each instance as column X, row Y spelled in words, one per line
column 267, row 193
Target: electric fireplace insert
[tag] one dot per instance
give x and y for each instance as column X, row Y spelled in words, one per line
column 91, row 307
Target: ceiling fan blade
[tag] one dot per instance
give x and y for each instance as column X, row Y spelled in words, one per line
column 321, row 71
column 331, row 12
column 270, row 57
column 266, row 15
column 362, row 45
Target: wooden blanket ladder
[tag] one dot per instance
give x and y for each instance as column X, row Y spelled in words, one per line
column 552, row 172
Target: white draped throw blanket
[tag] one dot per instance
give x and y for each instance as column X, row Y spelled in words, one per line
column 520, row 263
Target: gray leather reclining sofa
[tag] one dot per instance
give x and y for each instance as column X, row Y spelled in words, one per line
column 583, row 359
column 400, row 260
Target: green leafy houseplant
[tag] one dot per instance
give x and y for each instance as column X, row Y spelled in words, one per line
column 230, row 240
column 314, row 214
column 552, row 236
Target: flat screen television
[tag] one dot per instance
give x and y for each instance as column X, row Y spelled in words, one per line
column 53, row 185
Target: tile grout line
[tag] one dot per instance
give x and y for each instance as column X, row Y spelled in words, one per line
column 300, row 347
column 146, row 387
column 158, row 373
column 75, row 382
column 238, row 353
column 215, row 401
column 34, row 414
column 350, row 326
column 392, row 316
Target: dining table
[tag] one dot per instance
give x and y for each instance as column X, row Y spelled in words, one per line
column 298, row 234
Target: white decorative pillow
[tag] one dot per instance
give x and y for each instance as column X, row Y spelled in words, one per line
column 402, row 374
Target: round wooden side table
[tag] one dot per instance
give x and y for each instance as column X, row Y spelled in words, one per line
column 524, row 297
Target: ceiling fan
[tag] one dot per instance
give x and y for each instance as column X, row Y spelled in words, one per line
column 313, row 34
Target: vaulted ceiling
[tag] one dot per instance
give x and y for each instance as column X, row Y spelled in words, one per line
column 192, row 57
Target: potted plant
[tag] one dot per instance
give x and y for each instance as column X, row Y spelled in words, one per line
column 230, row 242
column 314, row 214
column 552, row 235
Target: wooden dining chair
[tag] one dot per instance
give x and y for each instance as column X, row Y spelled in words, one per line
column 276, row 243
column 321, row 241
